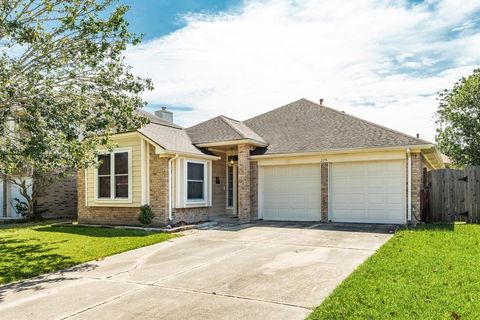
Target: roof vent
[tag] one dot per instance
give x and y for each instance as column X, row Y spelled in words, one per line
column 165, row 114
column 418, row 135
column 321, row 102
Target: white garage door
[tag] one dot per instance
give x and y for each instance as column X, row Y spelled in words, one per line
column 370, row 192
column 291, row 192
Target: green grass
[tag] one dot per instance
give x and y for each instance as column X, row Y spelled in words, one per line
column 427, row 273
column 27, row 251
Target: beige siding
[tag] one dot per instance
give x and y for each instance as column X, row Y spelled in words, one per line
column 122, row 141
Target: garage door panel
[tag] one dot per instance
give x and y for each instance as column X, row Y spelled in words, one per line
column 375, row 182
column 357, row 198
column 370, row 192
column 291, row 193
column 394, row 198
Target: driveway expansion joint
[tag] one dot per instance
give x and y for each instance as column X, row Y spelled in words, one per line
column 195, row 291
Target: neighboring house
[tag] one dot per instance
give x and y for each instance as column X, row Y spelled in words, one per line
column 58, row 200
column 300, row 162
column 8, row 193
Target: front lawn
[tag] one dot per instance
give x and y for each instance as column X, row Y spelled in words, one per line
column 27, row 251
column 431, row 272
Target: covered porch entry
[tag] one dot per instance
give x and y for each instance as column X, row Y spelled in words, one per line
column 231, row 181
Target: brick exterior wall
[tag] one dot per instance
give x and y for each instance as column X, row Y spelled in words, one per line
column 244, row 182
column 158, row 176
column 190, row 215
column 417, row 174
column 59, row 199
column 254, row 189
column 102, row 215
column 219, row 191
column 324, row 191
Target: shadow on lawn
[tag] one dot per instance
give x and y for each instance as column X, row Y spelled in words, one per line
column 20, row 259
column 100, row 232
column 440, row 226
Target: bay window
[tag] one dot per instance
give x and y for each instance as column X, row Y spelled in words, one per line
column 113, row 176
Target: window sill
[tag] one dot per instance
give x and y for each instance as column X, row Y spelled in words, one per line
column 113, row 201
column 193, row 204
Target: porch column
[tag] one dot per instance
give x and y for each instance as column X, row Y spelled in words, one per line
column 244, row 182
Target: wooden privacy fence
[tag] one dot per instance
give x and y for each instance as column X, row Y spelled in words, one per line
column 451, row 194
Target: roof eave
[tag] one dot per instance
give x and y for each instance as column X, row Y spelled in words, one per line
column 167, row 153
column 347, row 150
column 253, row 142
column 437, row 161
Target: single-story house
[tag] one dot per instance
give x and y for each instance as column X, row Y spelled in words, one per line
column 300, row 162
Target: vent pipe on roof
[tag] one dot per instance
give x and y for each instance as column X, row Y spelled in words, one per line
column 418, row 135
column 321, row 102
column 165, row 114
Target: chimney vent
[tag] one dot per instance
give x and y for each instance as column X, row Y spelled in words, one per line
column 418, row 135
column 321, row 101
column 164, row 114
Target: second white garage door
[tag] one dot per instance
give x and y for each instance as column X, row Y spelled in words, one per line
column 368, row 192
column 291, row 192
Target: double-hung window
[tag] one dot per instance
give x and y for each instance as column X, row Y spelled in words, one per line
column 113, row 176
column 195, row 181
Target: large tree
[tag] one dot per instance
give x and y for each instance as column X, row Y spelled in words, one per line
column 458, row 120
column 64, row 85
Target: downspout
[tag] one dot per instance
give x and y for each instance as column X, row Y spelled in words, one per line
column 409, row 185
column 170, row 188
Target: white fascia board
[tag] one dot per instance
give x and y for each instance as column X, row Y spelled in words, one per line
column 337, row 151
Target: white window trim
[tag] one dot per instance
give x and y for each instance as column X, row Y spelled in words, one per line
column 112, row 198
column 197, row 202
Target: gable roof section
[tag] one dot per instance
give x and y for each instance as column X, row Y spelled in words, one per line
column 221, row 129
column 169, row 136
column 305, row 126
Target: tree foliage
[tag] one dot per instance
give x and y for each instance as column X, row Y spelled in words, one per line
column 64, row 85
column 458, row 120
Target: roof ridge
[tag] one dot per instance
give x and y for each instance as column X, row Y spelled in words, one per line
column 226, row 120
column 174, row 126
column 276, row 109
column 210, row 119
column 369, row 122
column 153, row 118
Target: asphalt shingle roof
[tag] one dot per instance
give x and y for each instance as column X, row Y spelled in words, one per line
column 157, row 120
column 168, row 135
column 221, row 129
column 305, row 126
column 298, row 127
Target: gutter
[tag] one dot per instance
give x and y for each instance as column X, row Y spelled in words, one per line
column 340, row 151
column 170, row 218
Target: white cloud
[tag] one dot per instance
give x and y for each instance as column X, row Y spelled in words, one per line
column 378, row 60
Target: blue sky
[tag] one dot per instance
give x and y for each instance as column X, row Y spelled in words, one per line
column 381, row 60
column 156, row 18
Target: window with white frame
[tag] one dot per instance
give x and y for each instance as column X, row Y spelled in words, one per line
column 113, row 175
column 195, row 181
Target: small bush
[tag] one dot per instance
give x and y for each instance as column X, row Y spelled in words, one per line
column 21, row 207
column 146, row 215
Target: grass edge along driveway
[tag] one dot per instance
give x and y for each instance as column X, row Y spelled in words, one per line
column 32, row 250
column 431, row 272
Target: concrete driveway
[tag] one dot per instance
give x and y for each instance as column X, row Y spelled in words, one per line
column 258, row 271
